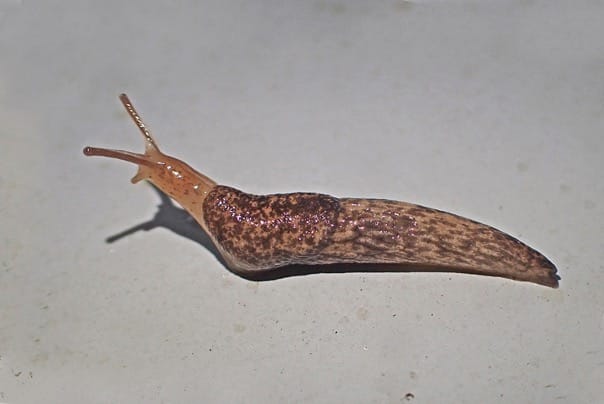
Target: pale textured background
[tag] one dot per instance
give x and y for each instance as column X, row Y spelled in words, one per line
column 493, row 110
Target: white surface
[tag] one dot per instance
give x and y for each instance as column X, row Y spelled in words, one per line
column 493, row 110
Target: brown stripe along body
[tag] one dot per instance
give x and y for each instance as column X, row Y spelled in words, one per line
column 260, row 233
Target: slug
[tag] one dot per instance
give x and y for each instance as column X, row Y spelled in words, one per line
column 260, row 233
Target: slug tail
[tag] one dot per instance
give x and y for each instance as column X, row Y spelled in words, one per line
column 389, row 232
column 545, row 273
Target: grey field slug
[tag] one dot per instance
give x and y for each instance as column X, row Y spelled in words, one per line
column 259, row 233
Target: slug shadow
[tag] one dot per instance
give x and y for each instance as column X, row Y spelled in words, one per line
column 177, row 220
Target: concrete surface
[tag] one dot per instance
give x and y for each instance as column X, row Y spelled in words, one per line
column 489, row 109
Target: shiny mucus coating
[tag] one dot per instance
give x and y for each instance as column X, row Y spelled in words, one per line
column 260, row 233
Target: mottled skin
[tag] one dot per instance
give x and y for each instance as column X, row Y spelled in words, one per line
column 376, row 230
column 260, row 233
column 263, row 232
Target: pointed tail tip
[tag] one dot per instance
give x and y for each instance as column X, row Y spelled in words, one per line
column 552, row 280
column 548, row 274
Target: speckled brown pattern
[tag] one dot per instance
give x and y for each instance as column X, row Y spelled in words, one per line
column 261, row 232
column 381, row 231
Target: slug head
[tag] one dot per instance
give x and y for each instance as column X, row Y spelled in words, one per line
column 173, row 176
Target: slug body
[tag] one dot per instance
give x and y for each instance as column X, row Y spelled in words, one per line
column 262, row 232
